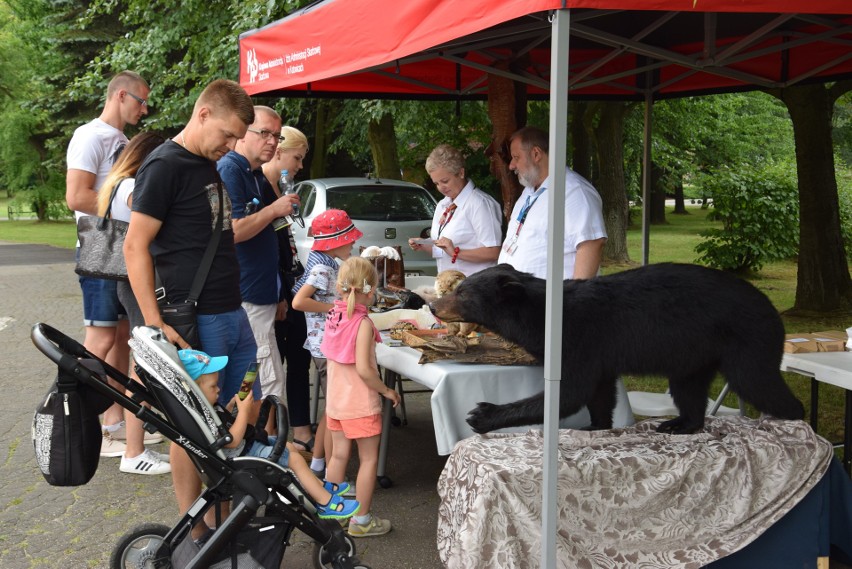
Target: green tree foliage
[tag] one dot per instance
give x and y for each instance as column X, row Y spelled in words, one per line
column 178, row 50
column 699, row 134
column 844, row 194
column 759, row 211
column 27, row 170
column 62, row 54
column 842, row 130
column 420, row 126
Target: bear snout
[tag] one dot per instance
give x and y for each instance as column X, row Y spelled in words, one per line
column 444, row 308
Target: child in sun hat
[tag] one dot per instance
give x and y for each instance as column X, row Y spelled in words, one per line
column 204, row 370
column 314, row 294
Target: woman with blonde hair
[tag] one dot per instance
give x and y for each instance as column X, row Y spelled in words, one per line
column 290, row 325
column 466, row 230
column 136, row 459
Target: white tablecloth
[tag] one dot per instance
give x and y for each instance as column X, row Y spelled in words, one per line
column 458, row 387
column 827, row 367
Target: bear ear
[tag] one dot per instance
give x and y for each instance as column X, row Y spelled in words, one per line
column 510, row 286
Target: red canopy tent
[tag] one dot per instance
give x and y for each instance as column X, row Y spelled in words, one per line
column 445, row 49
column 624, row 49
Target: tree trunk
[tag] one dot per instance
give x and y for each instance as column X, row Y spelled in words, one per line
column 507, row 103
column 319, row 151
column 658, row 196
column 823, row 283
column 590, row 120
column 609, row 141
column 680, row 205
column 382, row 138
column 581, row 144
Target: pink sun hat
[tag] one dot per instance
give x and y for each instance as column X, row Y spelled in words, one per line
column 332, row 229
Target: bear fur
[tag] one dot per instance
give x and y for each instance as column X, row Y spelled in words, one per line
column 684, row 322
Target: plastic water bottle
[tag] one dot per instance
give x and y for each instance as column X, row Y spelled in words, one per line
column 252, row 206
column 286, row 186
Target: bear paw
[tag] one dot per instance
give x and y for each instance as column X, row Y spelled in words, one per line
column 482, row 418
column 679, row 426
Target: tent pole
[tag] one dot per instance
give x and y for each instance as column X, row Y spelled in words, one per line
column 646, row 169
column 560, row 23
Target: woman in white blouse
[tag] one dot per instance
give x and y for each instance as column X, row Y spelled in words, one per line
column 466, row 232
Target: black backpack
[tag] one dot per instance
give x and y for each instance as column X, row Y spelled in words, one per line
column 67, row 431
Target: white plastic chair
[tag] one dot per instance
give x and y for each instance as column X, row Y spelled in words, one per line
column 648, row 404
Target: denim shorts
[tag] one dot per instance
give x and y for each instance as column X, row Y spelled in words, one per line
column 229, row 334
column 263, row 451
column 101, row 306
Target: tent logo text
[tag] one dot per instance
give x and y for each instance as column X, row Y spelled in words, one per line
column 295, row 60
column 251, row 65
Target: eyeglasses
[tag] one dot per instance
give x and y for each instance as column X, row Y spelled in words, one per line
column 267, row 134
column 139, row 100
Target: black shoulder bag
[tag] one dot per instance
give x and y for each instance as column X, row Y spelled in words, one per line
column 182, row 316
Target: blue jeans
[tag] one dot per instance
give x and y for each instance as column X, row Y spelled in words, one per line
column 229, row 334
column 263, row 451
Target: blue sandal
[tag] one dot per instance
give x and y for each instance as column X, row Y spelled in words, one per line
column 336, row 489
column 338, row 508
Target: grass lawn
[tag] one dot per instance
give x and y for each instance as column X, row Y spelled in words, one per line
column 676, row 242
column 57, row 233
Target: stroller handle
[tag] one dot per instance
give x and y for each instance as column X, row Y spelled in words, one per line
column 282, row 424
column 56, row 345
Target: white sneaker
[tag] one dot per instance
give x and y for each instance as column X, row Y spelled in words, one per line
column 112, row 447
column 145, row 463
column 120, row 434
column 162, row 456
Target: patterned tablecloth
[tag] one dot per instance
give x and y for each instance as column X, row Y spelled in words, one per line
column 627, row 497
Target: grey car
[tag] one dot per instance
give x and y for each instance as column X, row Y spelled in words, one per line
column 388, row 212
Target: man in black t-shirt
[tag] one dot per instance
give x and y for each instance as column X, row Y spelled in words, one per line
column 175, row 211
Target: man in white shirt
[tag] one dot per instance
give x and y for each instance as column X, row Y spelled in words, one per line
column 91, row 154
column 525, row 245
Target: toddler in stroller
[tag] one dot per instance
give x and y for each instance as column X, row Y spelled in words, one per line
column 267, row 501
column 248, row 441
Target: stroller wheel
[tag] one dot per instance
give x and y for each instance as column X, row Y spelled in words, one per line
column 137, row 548
column 323, row 557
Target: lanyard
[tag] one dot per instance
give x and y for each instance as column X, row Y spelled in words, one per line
column 446, row 217
column 522, row 215
column 511, row 245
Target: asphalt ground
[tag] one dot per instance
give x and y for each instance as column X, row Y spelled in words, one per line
column 42, row 526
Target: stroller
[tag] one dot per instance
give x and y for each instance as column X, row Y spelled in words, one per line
column 267, row 502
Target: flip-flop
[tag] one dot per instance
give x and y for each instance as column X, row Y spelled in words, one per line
column 307, row 446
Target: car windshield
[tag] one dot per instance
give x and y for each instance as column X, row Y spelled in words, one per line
column 382, row 203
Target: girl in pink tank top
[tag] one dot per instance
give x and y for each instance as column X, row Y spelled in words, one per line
column 355, row 388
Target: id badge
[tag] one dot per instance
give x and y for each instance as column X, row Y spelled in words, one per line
column 511, row 245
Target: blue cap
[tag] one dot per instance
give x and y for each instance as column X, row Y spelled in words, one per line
column 198, row 363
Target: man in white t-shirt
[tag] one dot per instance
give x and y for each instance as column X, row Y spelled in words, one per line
column 525, row 245
column 91, row 154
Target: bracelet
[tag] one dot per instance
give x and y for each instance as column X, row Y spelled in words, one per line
column 455, row 255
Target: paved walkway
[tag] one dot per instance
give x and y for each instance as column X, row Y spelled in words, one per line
column 74, row 528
